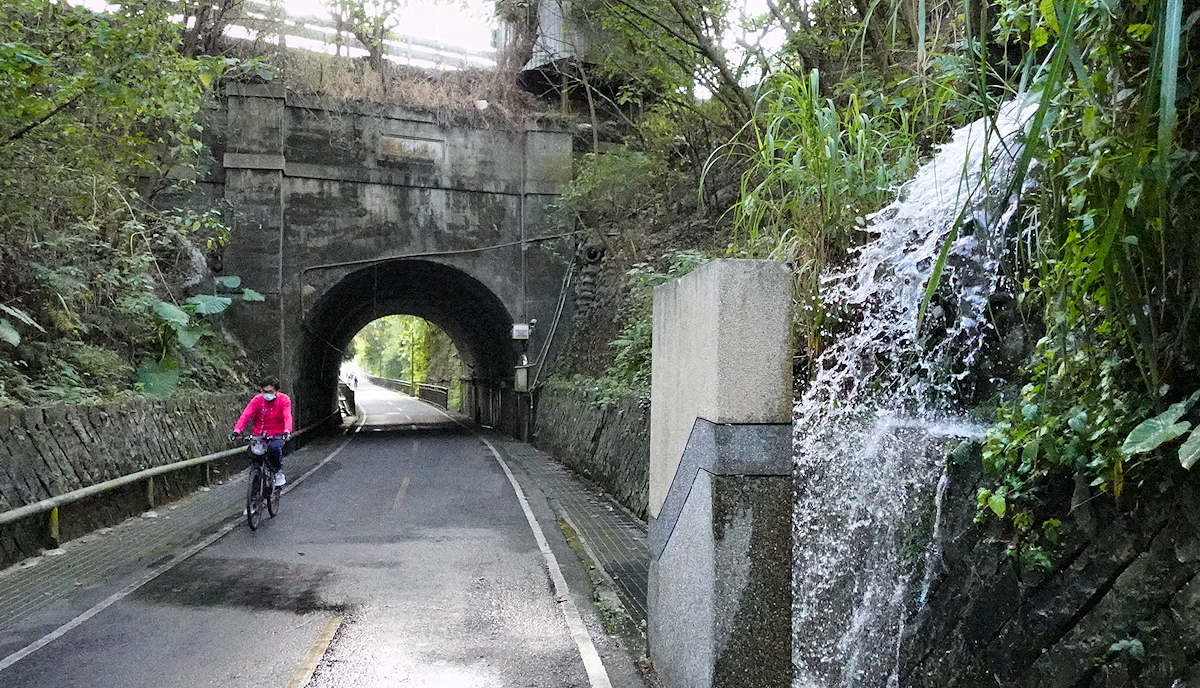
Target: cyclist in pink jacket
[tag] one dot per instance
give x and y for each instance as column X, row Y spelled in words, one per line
column 271, row 413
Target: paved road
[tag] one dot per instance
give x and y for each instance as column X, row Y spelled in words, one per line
column 406, row 560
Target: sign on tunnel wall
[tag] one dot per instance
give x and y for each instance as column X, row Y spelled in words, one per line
column 400, row 150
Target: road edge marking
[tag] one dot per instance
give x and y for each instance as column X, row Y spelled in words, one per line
column 400, row 493
column 114, row 598
column 316, row 652
column 150, row 575
column 592, row 664
column 288, row 488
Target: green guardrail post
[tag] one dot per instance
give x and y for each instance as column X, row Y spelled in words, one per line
column 150, row 492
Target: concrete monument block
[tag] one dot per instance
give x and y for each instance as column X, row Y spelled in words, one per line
column 720, row 477
column 722, row 352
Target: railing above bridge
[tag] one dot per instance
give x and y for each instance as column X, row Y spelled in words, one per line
column 259, row 21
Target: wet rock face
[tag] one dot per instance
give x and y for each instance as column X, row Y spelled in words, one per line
column 1119, row 607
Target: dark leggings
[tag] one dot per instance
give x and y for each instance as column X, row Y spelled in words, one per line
column 274, row 455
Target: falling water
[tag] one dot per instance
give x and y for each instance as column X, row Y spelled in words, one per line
column 871, row 433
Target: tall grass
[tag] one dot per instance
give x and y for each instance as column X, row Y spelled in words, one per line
column 1113, row 261
column 813, row 170
column 1107, row 270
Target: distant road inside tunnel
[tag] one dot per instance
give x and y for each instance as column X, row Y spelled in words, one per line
column 406, row 560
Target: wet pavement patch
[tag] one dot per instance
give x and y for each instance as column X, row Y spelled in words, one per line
column 258, row 584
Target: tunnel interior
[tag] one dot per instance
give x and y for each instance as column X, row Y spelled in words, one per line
column 465, row 309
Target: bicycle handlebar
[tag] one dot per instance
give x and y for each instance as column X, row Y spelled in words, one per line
column 247, row 439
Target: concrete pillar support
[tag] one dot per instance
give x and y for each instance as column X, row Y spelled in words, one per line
column 720, row 477
column 254, row 161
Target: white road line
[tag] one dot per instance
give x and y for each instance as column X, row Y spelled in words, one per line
column 150, row 575
column 597, row 674
column 400, row 494
column 361, row 421
column 320, row 645
column 111, row 599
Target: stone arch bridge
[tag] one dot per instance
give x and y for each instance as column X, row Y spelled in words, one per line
column 342, row 214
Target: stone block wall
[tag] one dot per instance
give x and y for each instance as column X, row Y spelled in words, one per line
column 1118, row 607
column 718, row 597
column 609, row 444
column 45, row 452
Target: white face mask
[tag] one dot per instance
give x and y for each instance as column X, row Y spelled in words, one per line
column 269, row 396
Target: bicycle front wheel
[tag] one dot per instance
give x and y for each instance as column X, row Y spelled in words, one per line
column 273, row 498
column 254, row 498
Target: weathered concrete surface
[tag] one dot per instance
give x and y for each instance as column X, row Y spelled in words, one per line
column 720, row 478
column 731, row 620
column 607, row 443
column 346, row 212
column 721, row 352
column 45, row 452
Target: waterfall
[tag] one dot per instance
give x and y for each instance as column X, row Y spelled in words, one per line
column 872, row 430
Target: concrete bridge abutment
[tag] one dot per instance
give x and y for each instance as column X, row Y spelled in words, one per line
column 343, row 212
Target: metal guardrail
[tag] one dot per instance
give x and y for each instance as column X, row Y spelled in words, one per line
column 347, row 404
column 434, row 394
column 52, row 504
column 401, row 386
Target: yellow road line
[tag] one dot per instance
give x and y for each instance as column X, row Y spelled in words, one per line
column 320, row 645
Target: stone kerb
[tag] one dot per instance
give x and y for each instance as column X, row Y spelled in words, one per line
column 718, row 594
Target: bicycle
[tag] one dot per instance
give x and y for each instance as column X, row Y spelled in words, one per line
column 261, row 486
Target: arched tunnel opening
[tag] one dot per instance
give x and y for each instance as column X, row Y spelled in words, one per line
column 407, row 354
column 473, row 317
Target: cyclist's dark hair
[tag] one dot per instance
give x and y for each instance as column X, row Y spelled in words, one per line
column 269, row 382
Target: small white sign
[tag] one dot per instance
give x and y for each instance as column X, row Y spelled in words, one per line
column 521, row 331
column 401, row 149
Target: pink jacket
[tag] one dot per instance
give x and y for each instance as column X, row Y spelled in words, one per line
column 270, row 417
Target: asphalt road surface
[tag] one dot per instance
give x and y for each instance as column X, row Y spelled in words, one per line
column 406, row 560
